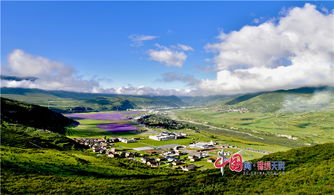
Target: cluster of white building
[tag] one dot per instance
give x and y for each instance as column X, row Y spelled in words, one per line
column 202, row 145
column 126, row 140
column 167, row 136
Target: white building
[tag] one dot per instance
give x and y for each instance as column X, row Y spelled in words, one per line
column 143, row 148
column 202, row 145
column 126, row 140
column 167, row 136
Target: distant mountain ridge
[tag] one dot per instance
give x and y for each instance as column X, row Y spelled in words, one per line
column 65, row 101
column 303, row 90
column 71, row 94
column 15, row 78
column 271, row 101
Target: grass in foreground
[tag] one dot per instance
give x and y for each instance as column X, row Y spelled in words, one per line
column 308, row 170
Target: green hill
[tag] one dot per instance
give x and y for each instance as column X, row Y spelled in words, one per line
column 34, row 116
column 289, row 118
column 39, row 161
column 30, row 126
column 269, row 101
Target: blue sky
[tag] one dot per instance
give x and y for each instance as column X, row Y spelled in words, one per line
column 94, row 37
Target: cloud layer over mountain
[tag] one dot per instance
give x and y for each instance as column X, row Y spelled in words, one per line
column 50, row 74
column 53, row 75
column 295, row 103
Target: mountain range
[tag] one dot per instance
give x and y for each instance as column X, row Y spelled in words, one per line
column 65, row 101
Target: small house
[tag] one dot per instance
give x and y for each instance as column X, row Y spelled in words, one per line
column 188, row 168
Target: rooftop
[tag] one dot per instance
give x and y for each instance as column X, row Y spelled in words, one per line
column 143, row 148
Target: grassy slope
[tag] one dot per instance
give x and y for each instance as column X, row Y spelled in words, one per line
column 21, row 136
column 33, row 116
column 51, row 171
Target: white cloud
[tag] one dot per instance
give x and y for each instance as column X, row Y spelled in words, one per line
column 324, row 10
column 258, row 20
column 295, row 103
column 168, row 56
column 296, row 50
column 184, row 47
column 51, row 75
column 137, row 40
column 23, row 64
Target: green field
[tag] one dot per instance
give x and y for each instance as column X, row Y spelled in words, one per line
column 306, row 128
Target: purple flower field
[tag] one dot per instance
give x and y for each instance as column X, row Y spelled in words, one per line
column 98, row 116
column 114, row 127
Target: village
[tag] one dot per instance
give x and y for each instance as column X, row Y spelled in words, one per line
column 170, row 155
